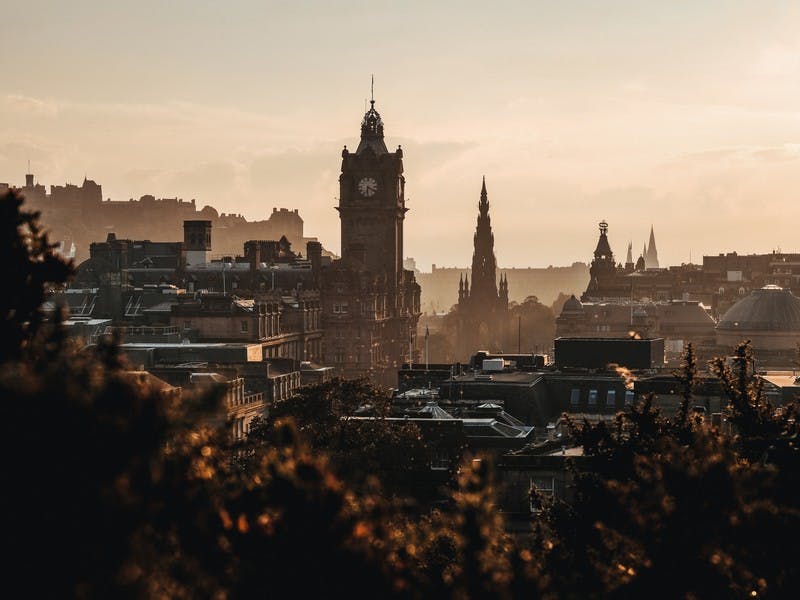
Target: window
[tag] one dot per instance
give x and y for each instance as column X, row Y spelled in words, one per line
column 440, row 461
column 611, row 397
column 628, row 397
column 340, row 307
column 592, row 397
column 187, row 325
column 575, row 397
column 244, row 326
column 541, row 489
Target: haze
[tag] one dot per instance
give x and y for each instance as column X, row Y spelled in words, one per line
column 680, row 115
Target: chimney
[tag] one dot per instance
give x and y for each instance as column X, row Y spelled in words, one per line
column 314, row 254
column 252, row 252
column 196, row 241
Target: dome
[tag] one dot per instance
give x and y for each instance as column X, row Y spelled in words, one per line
column 640, row 313
column 572, row 305
column 769, row 309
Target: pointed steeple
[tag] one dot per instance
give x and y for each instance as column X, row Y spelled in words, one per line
column 629, row 264
column 484, row 264
column 466, row 286
column 651, row 256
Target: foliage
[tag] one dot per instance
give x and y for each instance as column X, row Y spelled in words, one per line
column 120, row 488
column 533, row 326
column 364, row 452
column 674, row 507
column 28, row 267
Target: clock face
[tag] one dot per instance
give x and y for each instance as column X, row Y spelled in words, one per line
column 367, row 186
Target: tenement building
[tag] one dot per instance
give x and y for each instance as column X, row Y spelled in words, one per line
column 370, row 302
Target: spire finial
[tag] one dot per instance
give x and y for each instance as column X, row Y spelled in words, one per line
column 372, row 91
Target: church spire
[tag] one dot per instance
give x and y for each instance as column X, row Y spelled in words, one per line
column 651, row 255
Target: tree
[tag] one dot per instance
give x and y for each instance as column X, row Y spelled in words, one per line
column 362, row 451
column 536, row 325
column 674, row 507
column 28, row 268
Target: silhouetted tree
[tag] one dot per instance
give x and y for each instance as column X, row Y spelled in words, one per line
column 532, row 326
column 363, row 450
column 28, row 267
column 117, row 488
column 671, row 508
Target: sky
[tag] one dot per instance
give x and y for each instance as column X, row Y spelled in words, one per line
column 684, row 116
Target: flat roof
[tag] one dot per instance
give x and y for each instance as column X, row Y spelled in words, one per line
column 189, row 346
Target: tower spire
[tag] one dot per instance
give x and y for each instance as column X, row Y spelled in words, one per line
column 651, row 256
column 484, row 264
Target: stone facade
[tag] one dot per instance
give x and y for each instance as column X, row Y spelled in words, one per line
column 371, row 303
column 482, row 309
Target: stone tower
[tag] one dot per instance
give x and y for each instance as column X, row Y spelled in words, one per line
column 603, row 270
column 370, row 303
column 372, row 202
column 482, row 307
column 484, row 264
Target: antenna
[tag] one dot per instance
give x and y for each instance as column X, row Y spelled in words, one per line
column 372, row 89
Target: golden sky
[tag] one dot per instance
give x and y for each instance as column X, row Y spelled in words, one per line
column 683, row 115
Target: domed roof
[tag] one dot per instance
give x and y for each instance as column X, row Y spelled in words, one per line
column 640, row 312
column 572, row 305
column 372, row 132
column 769, row 309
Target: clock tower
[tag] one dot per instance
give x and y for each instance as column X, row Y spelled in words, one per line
column 370, row 303
column 372, row 202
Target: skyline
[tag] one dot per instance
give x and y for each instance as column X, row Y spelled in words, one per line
column 574, row 115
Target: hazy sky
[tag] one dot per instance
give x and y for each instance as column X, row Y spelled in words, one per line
column 685, row 115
